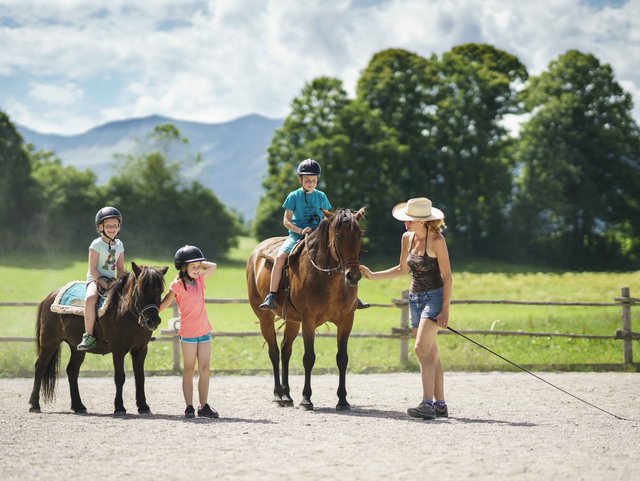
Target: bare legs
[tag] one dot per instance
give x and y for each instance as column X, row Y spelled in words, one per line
column 426, row 351
column 90, row 300
column 276, row 272
column 192, row 352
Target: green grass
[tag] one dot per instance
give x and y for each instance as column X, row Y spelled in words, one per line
column 32, row 279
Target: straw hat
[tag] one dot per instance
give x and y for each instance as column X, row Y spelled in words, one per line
column 419, row 209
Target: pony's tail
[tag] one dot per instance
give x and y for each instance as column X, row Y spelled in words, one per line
column 48, row 386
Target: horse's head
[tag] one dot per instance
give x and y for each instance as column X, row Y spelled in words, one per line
column 142, row 294
column 344, row 240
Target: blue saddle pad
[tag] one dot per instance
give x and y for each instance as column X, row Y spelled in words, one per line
column 70, row 299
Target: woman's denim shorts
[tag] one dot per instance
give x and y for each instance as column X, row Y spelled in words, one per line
column 424, row 304
column 196, row 340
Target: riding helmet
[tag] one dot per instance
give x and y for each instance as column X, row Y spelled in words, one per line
column 107, row 213
column 308, row 167
column 186, row 255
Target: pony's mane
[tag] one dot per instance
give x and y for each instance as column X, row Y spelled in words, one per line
column 149, row 280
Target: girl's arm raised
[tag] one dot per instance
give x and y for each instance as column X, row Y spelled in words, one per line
column 208, row 268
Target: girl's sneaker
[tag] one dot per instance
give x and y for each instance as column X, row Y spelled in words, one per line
column 207, row 411
column 441, row 410
column 424, row 411
column 189, row 412
column 88, row 342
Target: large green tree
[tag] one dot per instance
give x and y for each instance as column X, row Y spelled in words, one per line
column 162, row 210
column 578, row 200
column 18, row 201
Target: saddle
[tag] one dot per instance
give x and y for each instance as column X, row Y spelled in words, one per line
column 70, row 300
column 270, row 250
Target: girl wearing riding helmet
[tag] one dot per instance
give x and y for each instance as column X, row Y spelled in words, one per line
column 106, row 260
column 195, row 329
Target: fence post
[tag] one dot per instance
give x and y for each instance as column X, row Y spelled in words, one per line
column 627, row 342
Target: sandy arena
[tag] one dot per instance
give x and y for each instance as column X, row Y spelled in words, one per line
column 507, row 426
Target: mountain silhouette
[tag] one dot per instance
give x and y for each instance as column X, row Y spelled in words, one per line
column 234, row 153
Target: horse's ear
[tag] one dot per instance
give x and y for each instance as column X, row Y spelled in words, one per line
column 163, row 270
column 360, row 214
column 136, row 268
column 327, row 214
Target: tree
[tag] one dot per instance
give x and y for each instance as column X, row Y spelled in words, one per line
column 579, row 166
column 17, row 192
column 162, row 210
column 313, row 117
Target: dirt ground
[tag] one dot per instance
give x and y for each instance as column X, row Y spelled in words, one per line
column 502, row 426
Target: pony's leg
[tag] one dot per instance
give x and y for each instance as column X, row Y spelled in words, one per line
column 45, row 369
column 269, row 333
column 290, row 333
column 308, row 360
column 342, row 360
column 119, row 377
column 137, row 360
column 73, row 369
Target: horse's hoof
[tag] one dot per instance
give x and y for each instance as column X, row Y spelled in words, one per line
column 343, row 407
column 118, row 413
column 287, row 403
column 143, row 412
column 80, row 411
column 306, row 406
column 34, row 409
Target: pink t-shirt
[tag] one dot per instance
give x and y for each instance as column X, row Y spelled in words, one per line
column 193, row 315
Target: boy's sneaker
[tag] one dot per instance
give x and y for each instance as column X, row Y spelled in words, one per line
column 269, row 302
column 207, row 412
column 189, row 412
column 424, row 411
column 88, row 342
column 441, row 410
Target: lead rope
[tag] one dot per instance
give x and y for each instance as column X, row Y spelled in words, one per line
column 541, row 379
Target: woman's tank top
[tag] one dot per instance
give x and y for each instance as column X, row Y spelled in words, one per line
column 425, row 272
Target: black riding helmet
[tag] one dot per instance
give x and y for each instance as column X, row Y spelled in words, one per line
column 186, row 255
column 308, row 167
column 107, row 213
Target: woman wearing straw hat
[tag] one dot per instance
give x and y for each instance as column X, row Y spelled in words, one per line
column 424, row 254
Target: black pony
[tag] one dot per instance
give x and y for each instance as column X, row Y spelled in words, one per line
column 125, row 327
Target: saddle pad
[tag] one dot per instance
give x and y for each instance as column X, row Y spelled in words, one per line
column 70, row 300
column 270, row 250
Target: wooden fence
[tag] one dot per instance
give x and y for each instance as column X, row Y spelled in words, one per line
column 403, row 332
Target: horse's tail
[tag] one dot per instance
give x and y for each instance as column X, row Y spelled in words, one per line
column 48, row 386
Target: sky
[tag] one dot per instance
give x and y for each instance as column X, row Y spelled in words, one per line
column 69, row 65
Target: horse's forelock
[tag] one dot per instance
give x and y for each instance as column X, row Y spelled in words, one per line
column 149, row 280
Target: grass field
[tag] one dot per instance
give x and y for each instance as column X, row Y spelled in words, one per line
column 32, row 280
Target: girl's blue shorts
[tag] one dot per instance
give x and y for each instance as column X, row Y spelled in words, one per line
column 195, row 340
column 425, row 304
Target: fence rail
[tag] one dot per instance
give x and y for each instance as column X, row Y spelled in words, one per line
column 403, row 333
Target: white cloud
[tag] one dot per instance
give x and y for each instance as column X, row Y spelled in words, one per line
column 217, row 60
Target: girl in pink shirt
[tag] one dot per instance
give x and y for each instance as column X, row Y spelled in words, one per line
column 187, row 289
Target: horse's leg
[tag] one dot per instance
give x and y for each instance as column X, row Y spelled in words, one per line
column 119, row 378
column 73, row 370
column 342, row 359
column 290, row 333
column 269, row 333
column 308, row 360
column 137, row 360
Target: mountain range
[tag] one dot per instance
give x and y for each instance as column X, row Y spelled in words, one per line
column 234, row 153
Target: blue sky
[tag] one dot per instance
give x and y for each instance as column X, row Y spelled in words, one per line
column 69, row 65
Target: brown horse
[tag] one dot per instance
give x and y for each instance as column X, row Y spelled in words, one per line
column 126, row 326
column 322, row 277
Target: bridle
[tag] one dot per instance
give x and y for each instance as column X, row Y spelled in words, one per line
column 140, row 311
column 342, row 266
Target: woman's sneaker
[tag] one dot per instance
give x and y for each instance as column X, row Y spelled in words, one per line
column 207, row 412
column 189, row 412
column 424, row 411
column 88, row 342
column 441, row 410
